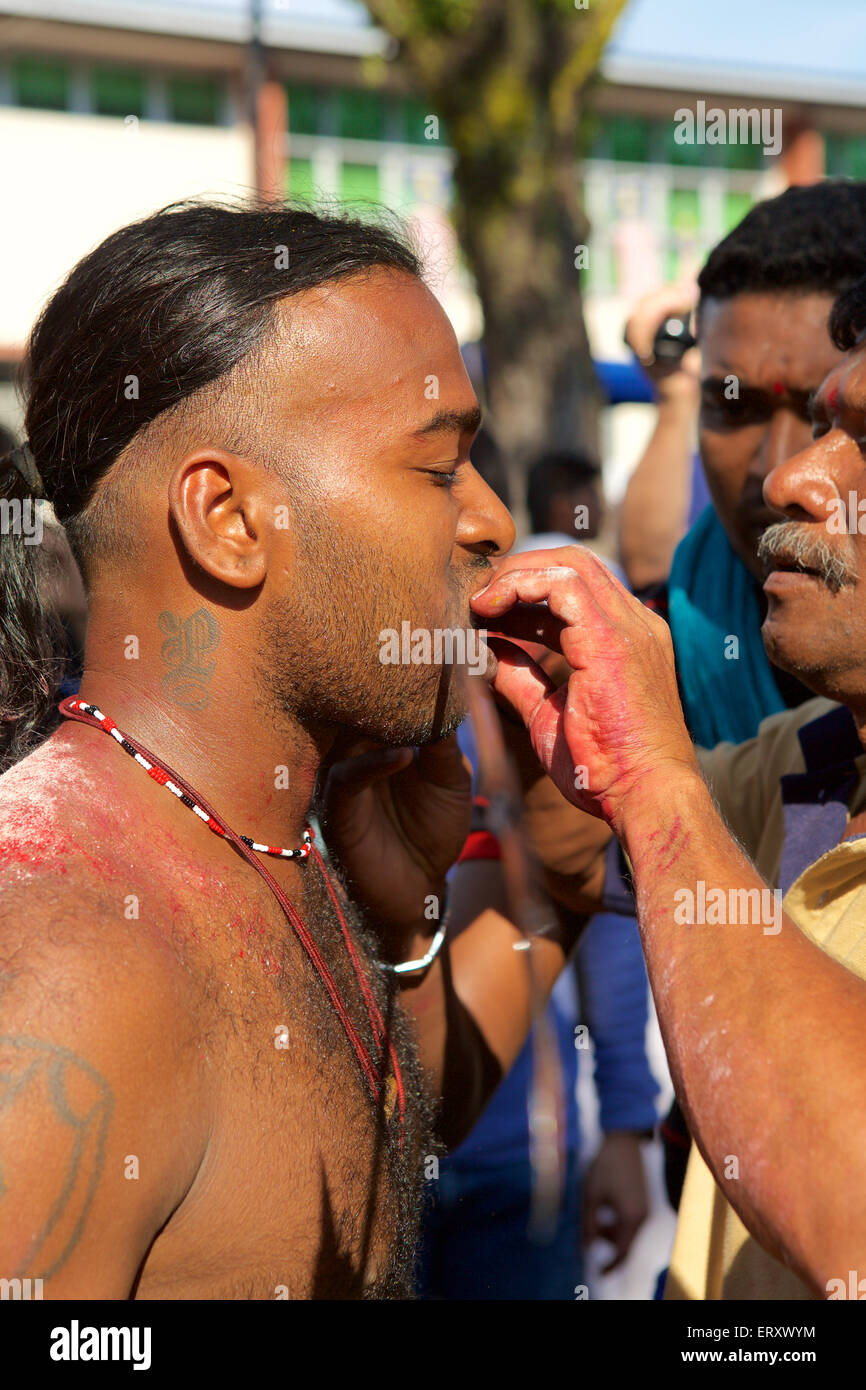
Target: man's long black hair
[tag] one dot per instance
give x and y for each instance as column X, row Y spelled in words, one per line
column 159, row 310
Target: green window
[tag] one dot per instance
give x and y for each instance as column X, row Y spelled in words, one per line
column 693, row 155
column 360, row 115
column 846, row 156
column 117, row 92
column 684, row 211
column 416, row 123
column 834, row 155
column 743, row 156
column 628, row 139
column 855, row 157
column 684, row 220
column 194, row 100
column 40, row 82
column 698, row 152
column 359, row 183
column 303, row 109
column 300, row 179
column 736, row 207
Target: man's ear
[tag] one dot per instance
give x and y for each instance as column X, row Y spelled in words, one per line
column 224, row 507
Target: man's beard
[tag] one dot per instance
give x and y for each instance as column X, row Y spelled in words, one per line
column 321, row 645
column 798, row 547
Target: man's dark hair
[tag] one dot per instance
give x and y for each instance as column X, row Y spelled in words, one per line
column 848, row 316
column 165, row 307
column 810, row 238
column 158, row 311
column 554, row 473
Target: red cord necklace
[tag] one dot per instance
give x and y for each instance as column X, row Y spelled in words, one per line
column 374, row 1073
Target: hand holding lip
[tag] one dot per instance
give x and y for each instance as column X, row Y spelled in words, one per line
column 618, row 716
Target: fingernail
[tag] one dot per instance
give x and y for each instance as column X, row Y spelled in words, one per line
column 480, row 592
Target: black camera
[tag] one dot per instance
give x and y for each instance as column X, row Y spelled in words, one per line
column 673, row 338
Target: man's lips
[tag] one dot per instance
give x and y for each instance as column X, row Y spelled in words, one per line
column 781, row 579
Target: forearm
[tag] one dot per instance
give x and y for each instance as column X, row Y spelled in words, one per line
column 655, row 507
column 761, row 1030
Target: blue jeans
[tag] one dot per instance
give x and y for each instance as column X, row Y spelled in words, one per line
column 475, row 1243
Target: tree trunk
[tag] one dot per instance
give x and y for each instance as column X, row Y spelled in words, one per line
column 508, row 78
column 542, row 389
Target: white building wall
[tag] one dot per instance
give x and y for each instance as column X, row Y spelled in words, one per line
column 69, row 180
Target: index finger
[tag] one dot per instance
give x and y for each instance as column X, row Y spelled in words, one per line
column 572, row 581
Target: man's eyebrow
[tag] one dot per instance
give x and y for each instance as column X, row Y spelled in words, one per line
column 721, row 379
column 452, row 422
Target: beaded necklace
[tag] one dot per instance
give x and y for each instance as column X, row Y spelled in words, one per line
column 385, row 1083
column 161, row 775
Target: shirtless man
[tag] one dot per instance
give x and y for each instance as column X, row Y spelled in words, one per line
column 255, row 427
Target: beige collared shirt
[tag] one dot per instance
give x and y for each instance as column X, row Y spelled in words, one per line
column 714, row 1257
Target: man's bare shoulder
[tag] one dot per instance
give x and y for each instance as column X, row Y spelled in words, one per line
column 103, row 1127
column 71, row 890
column 97, row 1042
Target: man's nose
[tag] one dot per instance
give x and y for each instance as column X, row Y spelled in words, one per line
column 805, row 486
column 485, row 521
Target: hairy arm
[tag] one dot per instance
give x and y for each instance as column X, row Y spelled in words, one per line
column 654, row 510
column 764, row 1037
column 655, row 507
column 763, row 1030
column 95, row 1150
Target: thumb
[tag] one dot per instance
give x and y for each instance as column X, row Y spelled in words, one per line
column 518, row 678
column 354, row 774
column 442, row 763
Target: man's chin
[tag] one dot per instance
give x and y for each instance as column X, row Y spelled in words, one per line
column 783, row 643
column 405, row 732
column 419, row 718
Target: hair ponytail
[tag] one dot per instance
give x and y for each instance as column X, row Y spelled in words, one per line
column 31, row 636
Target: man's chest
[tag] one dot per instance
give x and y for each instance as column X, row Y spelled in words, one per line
column 306, row 1190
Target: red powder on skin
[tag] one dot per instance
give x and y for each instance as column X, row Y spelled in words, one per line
column 34, row 841
column 250, row 925
column 31, row 839
column 778, row 388
column 833, row 397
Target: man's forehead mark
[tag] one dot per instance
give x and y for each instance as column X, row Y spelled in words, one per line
column 776, row 388
column 451, row 421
